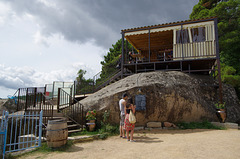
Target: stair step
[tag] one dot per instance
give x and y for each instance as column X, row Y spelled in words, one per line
column 69, row 122
column 74, row 131
column 74, row 126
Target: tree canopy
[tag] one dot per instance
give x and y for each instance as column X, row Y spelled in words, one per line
column 109, row 64
column 228, row 14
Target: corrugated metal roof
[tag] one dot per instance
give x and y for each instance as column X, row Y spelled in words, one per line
column 168, row 24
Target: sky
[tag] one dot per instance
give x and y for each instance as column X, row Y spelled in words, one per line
column 42, row 41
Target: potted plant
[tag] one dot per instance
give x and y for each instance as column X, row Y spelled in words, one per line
column 91, row 117
column 221, row 112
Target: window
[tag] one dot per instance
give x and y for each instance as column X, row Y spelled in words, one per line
column 198, row 34
column 182, row 37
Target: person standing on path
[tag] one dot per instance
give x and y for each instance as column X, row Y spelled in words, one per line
column 122, row 106
column 127, row 125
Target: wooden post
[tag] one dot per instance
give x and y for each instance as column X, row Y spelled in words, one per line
column 182, row 42
column 58, row 101
column 26, row 100
column 18, row 99
column 149, row 45
column 35, row 97
column 122, row 61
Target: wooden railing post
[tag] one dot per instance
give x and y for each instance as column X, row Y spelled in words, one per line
column 18, row 99
column 35, row 97
column 26, row 100
column 58, row 101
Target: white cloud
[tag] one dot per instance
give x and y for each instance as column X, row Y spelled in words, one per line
column 12, row 78
column 40, row 39
column 44, row 41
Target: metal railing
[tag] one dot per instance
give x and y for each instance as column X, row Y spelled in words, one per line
column 21, row 131
column 70, row 107
column 108, row 80
column 97, row 83
column 174, row 52
column 34, row 99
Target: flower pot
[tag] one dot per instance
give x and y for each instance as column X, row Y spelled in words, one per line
column 221, row 114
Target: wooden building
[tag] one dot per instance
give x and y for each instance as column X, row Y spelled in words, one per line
column 188, row 46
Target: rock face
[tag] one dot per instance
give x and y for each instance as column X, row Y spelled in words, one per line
column 170, row 96
column 7, row 105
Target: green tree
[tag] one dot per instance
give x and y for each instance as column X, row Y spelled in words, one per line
column 84, row 86
column 228, row 14
column 111, row 60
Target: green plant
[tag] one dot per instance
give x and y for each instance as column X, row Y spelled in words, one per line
column 106, row 128
column 220, row 105
column 91, row 115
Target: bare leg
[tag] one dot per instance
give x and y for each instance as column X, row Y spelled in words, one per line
column 131, row 135
column 123, row 132
column 127, row 134
column 120, row 130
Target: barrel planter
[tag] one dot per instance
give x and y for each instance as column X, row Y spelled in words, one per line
column 91, row 125
column 221, row 114
column 57, row 133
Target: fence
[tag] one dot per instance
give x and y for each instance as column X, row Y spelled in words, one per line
column 21, row 130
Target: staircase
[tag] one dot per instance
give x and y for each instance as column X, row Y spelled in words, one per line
column 33, row 99
column 111, row 79
column 65, row 106
column 72, row 127
column 97, row 85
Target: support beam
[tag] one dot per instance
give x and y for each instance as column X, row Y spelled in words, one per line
column 149, row 45
column 182, row 42
column 181, row 65
column 122, row 60
column 189, row 68
column 127, row 55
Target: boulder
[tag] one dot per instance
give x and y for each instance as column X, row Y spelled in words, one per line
column 154, row 124
column 170, row 96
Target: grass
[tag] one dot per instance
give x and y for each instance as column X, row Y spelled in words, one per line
column 44, row 149
column 84, row 132
column 199, row 125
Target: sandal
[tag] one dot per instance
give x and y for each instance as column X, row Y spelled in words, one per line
column 124, row 137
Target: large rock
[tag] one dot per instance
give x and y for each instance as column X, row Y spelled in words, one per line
column 170, row 96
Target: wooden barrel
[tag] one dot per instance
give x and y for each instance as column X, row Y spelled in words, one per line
column 91, row 125
column 57, row 133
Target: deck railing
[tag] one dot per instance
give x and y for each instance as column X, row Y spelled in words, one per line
column 174, row 52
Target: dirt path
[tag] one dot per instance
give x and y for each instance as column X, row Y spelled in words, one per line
column 190, row 144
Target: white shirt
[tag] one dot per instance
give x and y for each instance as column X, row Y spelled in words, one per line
column 121, row 106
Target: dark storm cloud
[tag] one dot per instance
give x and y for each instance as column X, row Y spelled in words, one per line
column 101, row 20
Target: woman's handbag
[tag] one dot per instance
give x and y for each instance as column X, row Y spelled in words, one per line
column 132, row 118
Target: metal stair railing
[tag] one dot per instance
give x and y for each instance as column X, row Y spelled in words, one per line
column 70, row 107
column 108, row 80
column 33, row 99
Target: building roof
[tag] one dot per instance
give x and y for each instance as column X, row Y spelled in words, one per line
column 168, row 24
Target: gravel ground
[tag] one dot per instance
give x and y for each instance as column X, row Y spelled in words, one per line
column 181, row 144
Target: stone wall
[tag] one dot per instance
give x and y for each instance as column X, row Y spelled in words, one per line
column 170, row 96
